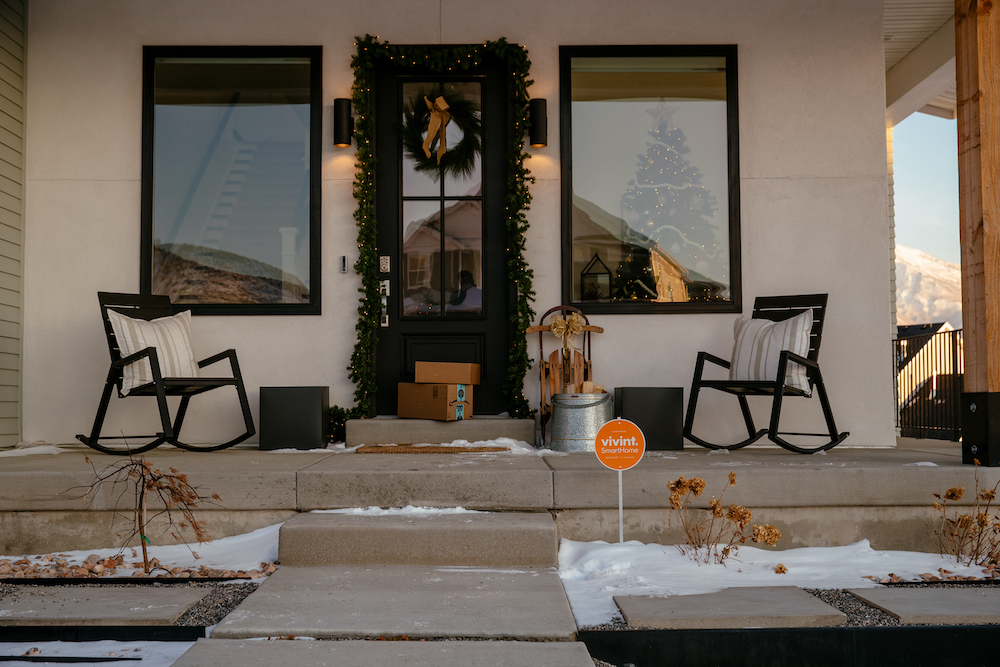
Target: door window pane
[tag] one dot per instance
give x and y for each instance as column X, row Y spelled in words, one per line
column 420, row 276
column 464, row 100
column 463, row 257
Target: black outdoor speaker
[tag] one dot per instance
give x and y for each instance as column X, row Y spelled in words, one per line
column 658, row 411
column 981, row 428
column 294, row 417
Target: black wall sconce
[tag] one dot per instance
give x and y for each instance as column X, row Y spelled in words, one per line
column 343, row 123
column 538, row 135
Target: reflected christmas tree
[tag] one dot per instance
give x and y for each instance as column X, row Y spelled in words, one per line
column 667, row 204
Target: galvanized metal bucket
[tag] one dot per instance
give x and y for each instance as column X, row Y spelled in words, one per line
column 576, row 419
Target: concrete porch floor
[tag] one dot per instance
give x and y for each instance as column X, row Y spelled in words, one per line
column 839, row 497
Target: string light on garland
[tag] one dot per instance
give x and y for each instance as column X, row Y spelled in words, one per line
column 370, row 51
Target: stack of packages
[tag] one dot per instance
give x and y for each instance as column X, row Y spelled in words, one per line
column 442, row 391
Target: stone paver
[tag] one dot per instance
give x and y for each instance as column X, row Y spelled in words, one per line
column 98, row 605
column 928, row 606
column 487, row 539
column 237, row 653
column 751, row 607
column 418, row 602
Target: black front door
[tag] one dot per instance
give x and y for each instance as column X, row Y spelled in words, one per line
column 441, row 235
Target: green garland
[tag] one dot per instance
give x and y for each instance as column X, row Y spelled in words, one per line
column 440, row 59
column 460, row 160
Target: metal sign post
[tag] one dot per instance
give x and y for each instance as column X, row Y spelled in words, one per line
column 619, row 446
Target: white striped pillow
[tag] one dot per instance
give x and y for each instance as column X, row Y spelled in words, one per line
column 759, row 342
column 171, row 336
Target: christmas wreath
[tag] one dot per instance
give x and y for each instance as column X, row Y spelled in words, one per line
column 425, row 118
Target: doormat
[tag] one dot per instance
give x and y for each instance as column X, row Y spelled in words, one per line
column 425, row 449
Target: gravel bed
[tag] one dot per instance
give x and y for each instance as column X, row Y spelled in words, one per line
column 860, row 614
column 223, row 598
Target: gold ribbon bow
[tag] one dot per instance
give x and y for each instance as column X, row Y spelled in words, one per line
column 566, row 329
column 435, row 127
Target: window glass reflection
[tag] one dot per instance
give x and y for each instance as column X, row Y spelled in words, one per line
column 231, row 207
column 420, row 275
column 650, row 180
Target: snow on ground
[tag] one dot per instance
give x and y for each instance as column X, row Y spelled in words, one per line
column 240, row 552
column 409, row 510
column 152, row 654
column 516, row 447
column 30, row 450
column 593, row 572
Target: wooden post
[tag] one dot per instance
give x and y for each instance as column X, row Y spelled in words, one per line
column 977, row 44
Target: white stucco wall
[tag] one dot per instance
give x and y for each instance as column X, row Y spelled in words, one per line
column 812, row 165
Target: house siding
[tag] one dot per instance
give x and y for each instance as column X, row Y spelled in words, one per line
column 12, row 96
column 813, row 188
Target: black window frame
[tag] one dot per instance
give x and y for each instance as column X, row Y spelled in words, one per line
column 729, row 52
column 315, row 55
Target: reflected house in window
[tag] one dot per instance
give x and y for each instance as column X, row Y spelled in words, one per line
column 460, row 265
column 642, row 270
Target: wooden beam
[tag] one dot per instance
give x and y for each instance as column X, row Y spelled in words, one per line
column 977, row 41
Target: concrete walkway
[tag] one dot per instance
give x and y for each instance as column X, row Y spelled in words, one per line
column 396, row 601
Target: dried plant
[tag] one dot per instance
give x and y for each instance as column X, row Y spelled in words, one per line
column 972, row 537
column 718, row 535
column 172, row 489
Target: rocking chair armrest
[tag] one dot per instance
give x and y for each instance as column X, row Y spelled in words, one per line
column 132, row 358
column 230, row 354
column 808, row 363
column 718, row 361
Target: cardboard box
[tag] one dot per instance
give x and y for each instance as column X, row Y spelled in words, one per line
column 447, row 372
column 444, row 402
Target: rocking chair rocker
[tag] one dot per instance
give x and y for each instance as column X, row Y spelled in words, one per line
column 776, row 309
column 150, row 307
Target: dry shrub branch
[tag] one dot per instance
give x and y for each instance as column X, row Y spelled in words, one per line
column 718, row 535
column 972, row 537
column 175, row 493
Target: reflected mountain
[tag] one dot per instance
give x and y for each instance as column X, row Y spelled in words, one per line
column 196, row 274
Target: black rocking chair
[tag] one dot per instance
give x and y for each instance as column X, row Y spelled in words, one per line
column 776, row 309
column 149, row 307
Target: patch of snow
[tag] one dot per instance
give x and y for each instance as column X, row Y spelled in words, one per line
column 594, row 572
column 35, row 449
column 240, row 552
column 409, row 510
column 920, row 463
column 151, row 654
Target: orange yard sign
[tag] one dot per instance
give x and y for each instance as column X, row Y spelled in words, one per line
column 620, row 444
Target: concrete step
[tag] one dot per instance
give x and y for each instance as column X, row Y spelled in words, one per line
column 391, row 430
column 485, row 481
column 237, row 653
column 329, row 602
column 480, row 539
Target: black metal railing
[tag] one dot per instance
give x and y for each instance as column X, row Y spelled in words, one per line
column 929, row 372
